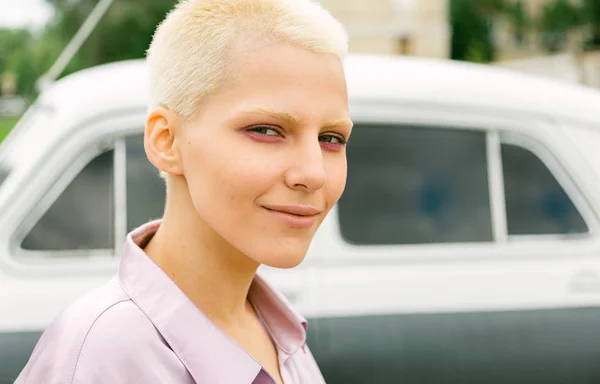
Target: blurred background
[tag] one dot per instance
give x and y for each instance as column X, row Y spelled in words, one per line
column 556, row 38
column 41, row 40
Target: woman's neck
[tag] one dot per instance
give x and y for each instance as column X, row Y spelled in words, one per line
column 212, row 273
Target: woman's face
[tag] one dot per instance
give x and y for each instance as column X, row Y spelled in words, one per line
column 265, row 161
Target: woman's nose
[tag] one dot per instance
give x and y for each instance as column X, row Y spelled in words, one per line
column 307, row 168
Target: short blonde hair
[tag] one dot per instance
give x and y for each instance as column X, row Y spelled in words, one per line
column 191, row 49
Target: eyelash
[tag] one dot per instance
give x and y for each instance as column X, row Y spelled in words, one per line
column 258, row 128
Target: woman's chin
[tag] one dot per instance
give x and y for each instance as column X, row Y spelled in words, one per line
column 283, row 259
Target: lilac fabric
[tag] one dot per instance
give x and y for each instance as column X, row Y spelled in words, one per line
column 141, row 328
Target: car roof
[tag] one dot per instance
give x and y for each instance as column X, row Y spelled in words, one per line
column 370, row 77
column 451, row 82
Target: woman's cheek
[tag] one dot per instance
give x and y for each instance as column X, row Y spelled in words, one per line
column 336, row 181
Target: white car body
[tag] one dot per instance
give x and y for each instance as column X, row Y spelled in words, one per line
column 536, row 275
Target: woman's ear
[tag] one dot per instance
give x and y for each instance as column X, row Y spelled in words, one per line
column 160, row 140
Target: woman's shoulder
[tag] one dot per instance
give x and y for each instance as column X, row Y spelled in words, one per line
column 95, row 331
column 107, row 308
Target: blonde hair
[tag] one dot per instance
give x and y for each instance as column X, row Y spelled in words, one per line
column 192, row 48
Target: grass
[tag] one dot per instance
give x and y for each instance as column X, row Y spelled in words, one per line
column 6, row 124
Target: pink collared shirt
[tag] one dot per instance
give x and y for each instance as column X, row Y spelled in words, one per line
column 141, row 328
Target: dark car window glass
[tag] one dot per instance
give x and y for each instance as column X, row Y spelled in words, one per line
column 145, row 188
column 82, row 216
column 411, row 185
column 536, row 204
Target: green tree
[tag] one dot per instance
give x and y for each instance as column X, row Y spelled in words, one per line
column 519, row 19
column 12, row 44
column 27, row 56
column 33, row 61
column 472, row 28
column 590, row 16
column 11, row 41
column 124, row 32
column 557, row 19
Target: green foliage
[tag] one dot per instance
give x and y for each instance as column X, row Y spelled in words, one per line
column 559, row 17
column 124, row 32
column 590, row 16
column 472, row 32
column 472, row 25
column 11, row 40
column 6, row 125
column 27, row 56
column 519, row 18
column 556, row 20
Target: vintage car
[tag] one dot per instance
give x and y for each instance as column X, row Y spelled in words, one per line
column 466, row 247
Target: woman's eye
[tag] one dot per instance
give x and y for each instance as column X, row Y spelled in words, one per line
column 332, row 139
column 267, row 131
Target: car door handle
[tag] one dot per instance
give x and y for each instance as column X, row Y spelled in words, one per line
column 585, row 282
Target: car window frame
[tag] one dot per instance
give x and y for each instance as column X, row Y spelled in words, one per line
column 50, row 197
column 104, row 130
column 563, row 177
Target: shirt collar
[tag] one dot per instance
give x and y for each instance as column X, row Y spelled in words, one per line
column 206, row 351
column 286, row 326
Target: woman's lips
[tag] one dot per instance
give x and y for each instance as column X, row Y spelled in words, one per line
column 296, row 215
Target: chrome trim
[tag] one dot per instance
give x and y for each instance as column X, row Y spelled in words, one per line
column 120, row 195
column 496, row 187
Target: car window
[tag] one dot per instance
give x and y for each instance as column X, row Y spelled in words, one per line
column 536, row 204
column 82, row 216
column 411, row 185
column 145, row 188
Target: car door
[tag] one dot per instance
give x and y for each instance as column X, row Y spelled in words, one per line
column 67, row 227
column 460, row 252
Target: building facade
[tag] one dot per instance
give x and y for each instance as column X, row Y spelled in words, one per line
column 406, row 27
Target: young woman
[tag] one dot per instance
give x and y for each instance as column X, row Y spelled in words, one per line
column 248, row 123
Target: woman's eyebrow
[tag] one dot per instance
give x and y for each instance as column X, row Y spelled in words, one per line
column 275, row 113
column 344, row 122
column 291, row 119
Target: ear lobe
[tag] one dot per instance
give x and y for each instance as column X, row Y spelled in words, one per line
column 160, row 141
